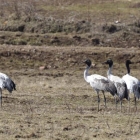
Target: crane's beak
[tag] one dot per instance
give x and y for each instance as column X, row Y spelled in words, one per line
column 132, row 62
column 137, row 62
column 83, row 61
column 104, row 62
column 93, row 65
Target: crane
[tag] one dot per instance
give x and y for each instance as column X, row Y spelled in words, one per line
column 99, row 83
column 6, row 83
column 119, row 83
column 133, row 84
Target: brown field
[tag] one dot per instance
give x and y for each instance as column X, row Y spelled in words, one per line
column 56, row 103
column 43, row 44
column 103, row 23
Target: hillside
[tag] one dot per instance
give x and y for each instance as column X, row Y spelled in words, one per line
column 110, row 23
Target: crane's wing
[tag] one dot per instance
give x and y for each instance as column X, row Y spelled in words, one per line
column 105, row 85
column 109, row 86
column 7, row 83
column 122, row 91
column 10, row 85
column 136, row 90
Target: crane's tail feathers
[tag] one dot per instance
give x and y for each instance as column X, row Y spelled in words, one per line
column 111, row 88
column 122, row 91
column 13, row 85
column 10, row 85
column 136, row 91
column 126, row 95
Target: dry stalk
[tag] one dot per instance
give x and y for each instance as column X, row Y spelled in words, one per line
column 107, row 123
column 52, row 130
column 67, row 103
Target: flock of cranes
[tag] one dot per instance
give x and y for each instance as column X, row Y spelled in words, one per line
column 117, row 86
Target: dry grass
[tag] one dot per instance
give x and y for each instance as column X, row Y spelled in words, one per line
column 69, row 23
column 56, row 103
column 53, row 109
column 64, row 106
column 62, row 9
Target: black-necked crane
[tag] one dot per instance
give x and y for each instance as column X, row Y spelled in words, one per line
column 119, row 83
column 99, row 83
column 133, row 84
column 6, row 83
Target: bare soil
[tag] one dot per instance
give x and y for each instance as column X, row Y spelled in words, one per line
column 56, row 103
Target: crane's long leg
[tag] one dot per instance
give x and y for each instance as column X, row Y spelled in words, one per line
column 135, row 102
column 1, row 97
column 104, row 99
column 98, row 99
column 128, row 101
column 121, row 105
column 115, row 98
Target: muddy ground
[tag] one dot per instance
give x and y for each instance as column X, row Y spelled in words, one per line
column 52, row 100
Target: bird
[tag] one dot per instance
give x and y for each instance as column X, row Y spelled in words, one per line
column 133, row 84
column 6, row 83
column 99, row 83
column 119, row 83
